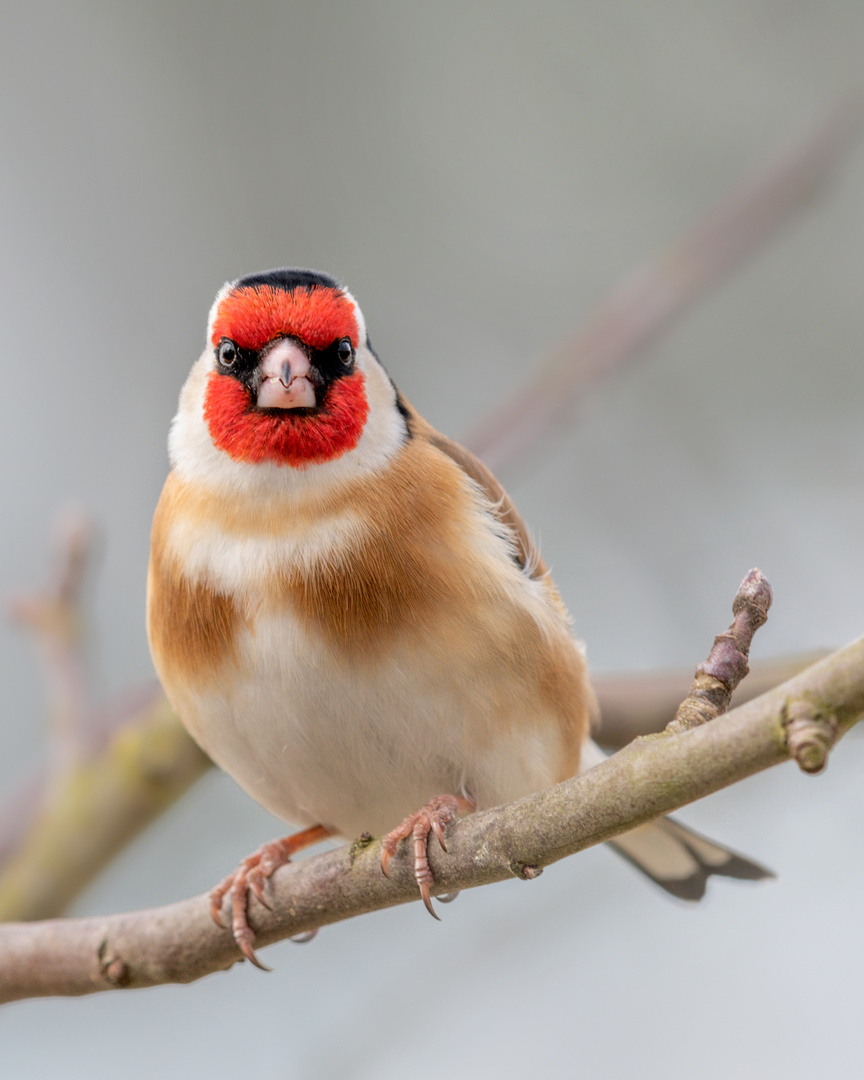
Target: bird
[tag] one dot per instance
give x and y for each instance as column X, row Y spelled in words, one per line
column 347, row 611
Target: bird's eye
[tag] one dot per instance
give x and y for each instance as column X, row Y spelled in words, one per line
column 227, row 353
column 345, row 351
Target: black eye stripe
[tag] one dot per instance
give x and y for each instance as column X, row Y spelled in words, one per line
column 232, row 360
column 329, row 364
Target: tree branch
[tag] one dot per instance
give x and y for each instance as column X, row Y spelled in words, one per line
column 641, row 703
column 107, row 776
column 651, row 777
column 94, row 808
column 52, row 845
column 56, row 618
column 640, row 308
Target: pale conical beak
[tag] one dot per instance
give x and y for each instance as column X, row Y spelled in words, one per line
column 286, row 378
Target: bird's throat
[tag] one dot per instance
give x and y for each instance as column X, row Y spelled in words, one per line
column 285, row 437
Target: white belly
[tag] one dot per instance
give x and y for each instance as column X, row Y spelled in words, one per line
column 357, row 746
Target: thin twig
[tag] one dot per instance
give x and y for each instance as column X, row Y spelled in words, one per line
column 642, row 703
column 727, row 663
column 179, row 943
column 644, row 305
column 55, row 615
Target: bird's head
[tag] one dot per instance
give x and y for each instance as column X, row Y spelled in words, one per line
column 287, row 379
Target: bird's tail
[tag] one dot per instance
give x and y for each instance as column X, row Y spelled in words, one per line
column 676, row 858
column 680, row 860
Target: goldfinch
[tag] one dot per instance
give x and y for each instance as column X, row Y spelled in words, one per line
column 346, row 609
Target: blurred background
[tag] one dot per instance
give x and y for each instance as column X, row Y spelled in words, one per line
column 480, row 176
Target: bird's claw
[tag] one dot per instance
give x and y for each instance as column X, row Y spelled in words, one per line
column 245, row 938
column 217, row 895
column 302, row 939
column 252, row 876
column 438, row 829
column 258, row 883
column 432, row 818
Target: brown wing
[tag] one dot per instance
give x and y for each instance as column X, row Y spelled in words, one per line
column 527, row 554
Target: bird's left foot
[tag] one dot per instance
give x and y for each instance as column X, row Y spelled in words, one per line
column 251, row 876
column 433, row 817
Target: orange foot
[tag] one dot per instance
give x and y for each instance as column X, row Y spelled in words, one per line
column 437, row 813
column 251, row 875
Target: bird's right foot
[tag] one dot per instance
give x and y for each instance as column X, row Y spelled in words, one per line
column 251, row 876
